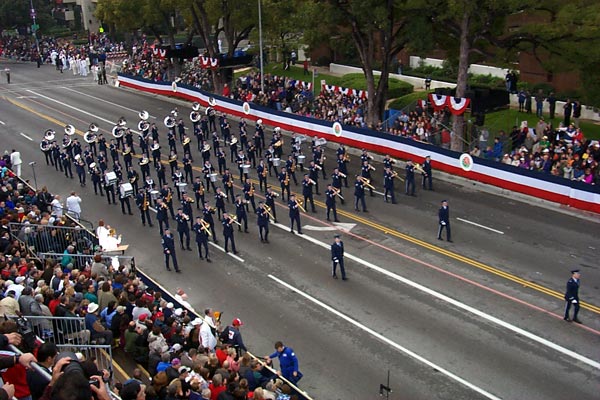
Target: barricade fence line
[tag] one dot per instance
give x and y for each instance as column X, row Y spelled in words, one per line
column 53, row 239
column 83, row 260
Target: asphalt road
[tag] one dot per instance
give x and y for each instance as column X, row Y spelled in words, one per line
column 477, row 318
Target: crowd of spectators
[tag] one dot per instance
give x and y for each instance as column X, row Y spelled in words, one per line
column 187, row 357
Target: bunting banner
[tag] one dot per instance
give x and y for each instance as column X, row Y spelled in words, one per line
column 458, row 105
column 301, row 85
column 438, row 101
column 209, row 63
column 362, row 94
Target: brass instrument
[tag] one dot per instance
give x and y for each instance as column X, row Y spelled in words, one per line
column 222, row 194
column 418, row 168
column 196, row 106
column 169, row 196
column 264, row 173
column 346, row 157
column 185, row 216
column 206, row 147
column 143, row 125
column 233, row 141
column 69, row 130
column 195, row 116
column 90, row 137
column 395, row 175
column 342, row 175
column 293, row 166
column 144, row 115
column 251, row 191
column 186, row 141
column 173, row 157
column 338, row 193
column 118, row 131
column 366, row 182
column 229, row 183
column 268, row 210
column 49, row 135
column 93, row 127
column 126, row 151
column 169, row 122
column 311, row 181
column 299, row 203
column 278, row 143
column 146, row 202
column 144, row 161
column 122, row 122
column 318, row 167
column 205, row 226
column 372, row 168
column 286, row 181
column 233, row 218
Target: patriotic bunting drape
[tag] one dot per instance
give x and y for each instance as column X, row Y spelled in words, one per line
column 346, row 91
column 457, row 105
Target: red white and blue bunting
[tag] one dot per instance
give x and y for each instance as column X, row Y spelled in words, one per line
column 209, row 63
column 457, row 105
column 345, row 91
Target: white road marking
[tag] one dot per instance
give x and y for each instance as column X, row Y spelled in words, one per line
column 26, row 97
column 2, row 123
column 104, row 101
column 25, row 136
column 384, row 339
column 456, row 303
column 342, row 226
column 480, row 226
column 240, row 259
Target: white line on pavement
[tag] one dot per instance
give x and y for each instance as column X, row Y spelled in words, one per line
column 2, row 123
column 25, row 136
column 386, row 340
column 457, row 303
column 104, row 101
column 480, row 226
column 72, row 107
column 240, row 259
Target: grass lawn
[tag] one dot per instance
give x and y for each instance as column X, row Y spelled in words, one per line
column 506, row 119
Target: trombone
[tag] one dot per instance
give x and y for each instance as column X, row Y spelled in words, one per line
column 338, row 193
column 418, row 168
column 299, row 203
column 233, row 218
column 268, row 210
column 366, row 182
column 395, row 175
column 205, row 226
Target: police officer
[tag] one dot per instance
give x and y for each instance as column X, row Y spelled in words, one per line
column 359, row 194
column 207, row 216
column 410, row 178
column 294, row 214
column 388, row 185
column 307, row 192
column 444, row 221
column 427, row 179
column 168, row 244
column 183, row 229
column 143, row 204
column 202, row 234
column 263, row 222
column 240, row 212
column 330, row 195
column 270, row 201
column 162, row 215
column 572, row 296
column 228, row 233
column 337, row 258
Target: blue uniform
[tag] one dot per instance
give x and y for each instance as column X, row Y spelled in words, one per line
column 168, row 244
column 288, row 362
column 572, row 297
column 444, row 221
column 294, row 216
column 337, row 257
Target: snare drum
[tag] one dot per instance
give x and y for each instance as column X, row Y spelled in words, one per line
column 276, row 162
column 182, row 186
column 110, row 178
column 213, row 177
column 246, row 168
column 301, row 159
column 126, row 190
column 154, row 194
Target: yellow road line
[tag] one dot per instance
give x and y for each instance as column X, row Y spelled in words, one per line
column 387, row 230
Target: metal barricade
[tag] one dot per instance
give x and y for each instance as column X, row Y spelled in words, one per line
column 79, row 261
column 53, row 239
column 59, row 330
column 101, row 353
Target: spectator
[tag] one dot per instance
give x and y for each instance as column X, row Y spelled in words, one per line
column 37, row 383
column 15, row 162
column 74, row 205
column 99, row 333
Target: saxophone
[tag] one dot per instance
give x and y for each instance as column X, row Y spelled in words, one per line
column 286, row 181
column 146, row 203
column 169, row 196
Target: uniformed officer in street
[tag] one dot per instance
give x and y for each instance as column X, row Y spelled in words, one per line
column 572, row 296
column 228, row 233
column 337, row 258
column 388, row 185
column 427, row 178
column 183, row 229
column 202, row 234
column 444, row 221
column 270, row 201
column 307, row 192
column 330, row 195
column 359, row 194
column 162, row 215
column 168, row 243
column 410, row 178
column 240, row 212
column 294, row 214
column 207, row 216
column 263, row 222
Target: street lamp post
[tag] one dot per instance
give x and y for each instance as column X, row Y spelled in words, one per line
column 34, row 27
column 260, row 45
column 32, row 164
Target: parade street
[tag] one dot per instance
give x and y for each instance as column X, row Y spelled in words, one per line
column 478, row 318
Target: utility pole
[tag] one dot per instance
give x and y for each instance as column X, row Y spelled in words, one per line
column 260, row 44
column 34, row 27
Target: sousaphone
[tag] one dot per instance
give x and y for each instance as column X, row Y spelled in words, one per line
column 49, row 135
column 144, row 115
column 69, row 130
column 90, row 137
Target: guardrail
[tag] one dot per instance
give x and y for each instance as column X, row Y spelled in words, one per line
column 544, row 186
column 53, row 239
column 81, row 260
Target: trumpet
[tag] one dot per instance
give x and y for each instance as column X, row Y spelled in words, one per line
column 233, row 218
column 90, row 137
column 196, row 106
column 169, row 122
column 143, row 125
column 93, row 127
column 49, row 135
column 299, row 203
column 69, row 130
column 205, row 226
column 144, row 115
column 194, row 116
column 366, row 182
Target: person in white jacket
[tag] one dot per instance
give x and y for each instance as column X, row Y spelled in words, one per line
column 207, row 338
column 15, row 161
column 74, row 205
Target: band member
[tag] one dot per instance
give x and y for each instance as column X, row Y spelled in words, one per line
column 220, row 197
column 336, row 181
column 388, row 185
column 80, row 170
column 187, row 168
column 226, row 131
column 109, row 188
column 207, row 170
column 145, row 145
column 66, row 163
column 181, row 129
column 127, row 157
column 252, row 155
column 205, row 151
column 129, row 141
column 144, row 164
column 199, row 191
column 227, row 181
column 241, row 161
column 178, row 179
column 410, row 178
column 233, row 149
column 330, row 195
column 270, row 202
column 124, row 200
column 166, row 193
column 313, row 173
column 93, row 148
column 114, row 151
column 199, row 136
column 319, row 159
column 207, row 215
column 143, row 204
column 341, row 150
column 183, row 229
column 186, row 147
column 173, row 161
column 168, row 243
column 269, row 156
column 365, row 172
column 172, row 139
column 149, row 184
column 102, row 162
column 365, row 156
column 155, row 153
column 102, row 146
column 261, row 170
column 307, row 192
column 263, row 222
column 118, row 171
column 284, row 181
column 56, row 156
column 186, row 206
column 202, row 230
column 257, row 143
column 249, row 194
column 426, row 174
column 572, row 296
column 133, row 177
column 161, row 175
column 359, row 194
column 228, row 233
column 240, row 212
column 337, row 258
column 294, row 214
column 216, row 143
column 388, row 162
column 290, row 166
column 47, row 150
column 162, row 215
column 221, row 161
column 444, row 221
column 204, row 126
column 261, row 134
column 97, row 180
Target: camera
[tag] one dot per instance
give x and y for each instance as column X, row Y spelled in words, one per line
column 29, row 338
